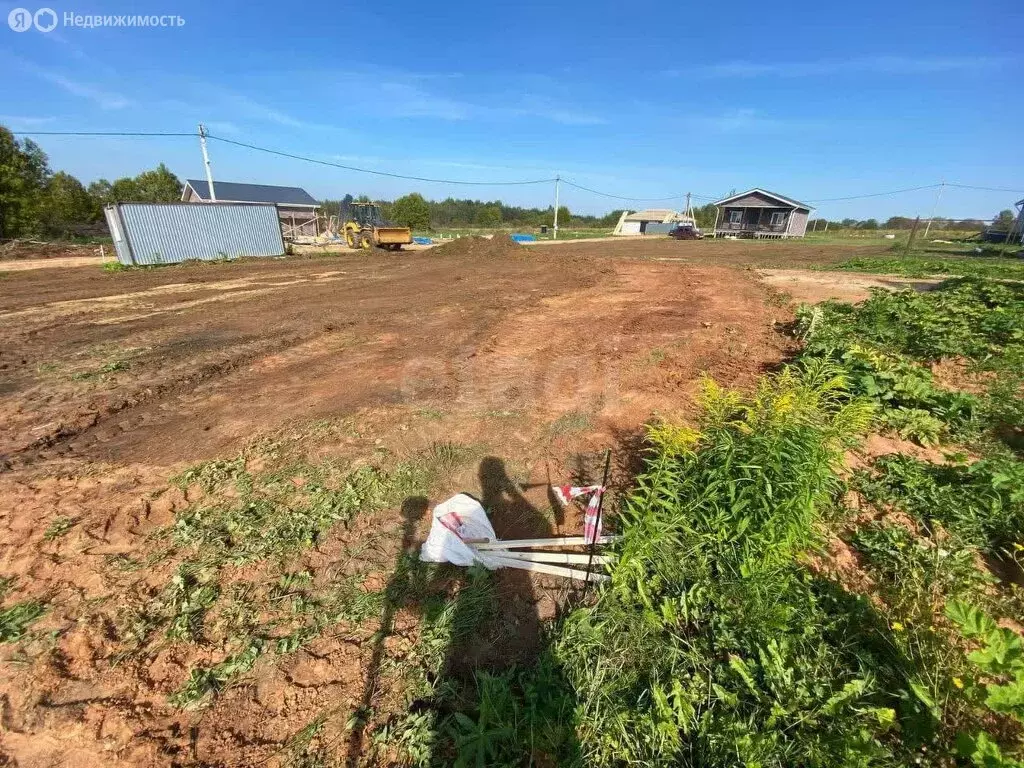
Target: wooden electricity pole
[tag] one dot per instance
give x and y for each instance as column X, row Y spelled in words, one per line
column 913, row 234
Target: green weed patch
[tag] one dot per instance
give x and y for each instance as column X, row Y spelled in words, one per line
column 884, row 343
column 929, row 265
column 15, row 619
column 714, row 645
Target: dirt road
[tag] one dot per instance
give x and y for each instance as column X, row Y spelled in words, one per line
column 532, row 360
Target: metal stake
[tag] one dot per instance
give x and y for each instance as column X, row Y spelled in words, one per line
column 600, row 506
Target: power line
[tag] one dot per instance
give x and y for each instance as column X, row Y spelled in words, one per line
column 984, row 189
column 875, row 194
column 634, row 199
column 490, row 183
column 100, row 133
column 621, row 197
column 378, row 173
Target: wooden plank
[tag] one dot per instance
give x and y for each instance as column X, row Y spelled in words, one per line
column 556, row 541
column 551, row 570
column 565, row 558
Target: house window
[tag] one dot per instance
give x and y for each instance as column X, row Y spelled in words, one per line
column 778, row 218
column 735, row 217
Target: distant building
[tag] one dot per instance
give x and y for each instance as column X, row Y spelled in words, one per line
column 761, row 214
column 295, row 206
column 653, row 221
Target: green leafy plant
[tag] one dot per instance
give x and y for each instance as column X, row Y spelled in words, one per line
column 1000, row 658
column 15, row 619
column 58, row 528
column 884, row 342
column 982, row 502
column 927, row 266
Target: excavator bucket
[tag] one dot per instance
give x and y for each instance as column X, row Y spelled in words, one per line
column 393, row 235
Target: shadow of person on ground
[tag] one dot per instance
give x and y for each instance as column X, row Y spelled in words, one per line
column 399, row 585
column 513, row 632
column 494, row 622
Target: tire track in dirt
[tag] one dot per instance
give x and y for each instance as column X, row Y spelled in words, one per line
column 92, row 420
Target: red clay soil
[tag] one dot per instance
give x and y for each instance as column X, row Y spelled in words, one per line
column 111, row 383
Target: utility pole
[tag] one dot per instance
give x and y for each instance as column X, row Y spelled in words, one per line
column 689, row 210
column 938, row 197
column 206, row 162
column 913, row 234
column 557, row 180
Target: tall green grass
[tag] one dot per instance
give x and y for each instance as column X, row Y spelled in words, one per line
column 716, row 644
column 713, row 646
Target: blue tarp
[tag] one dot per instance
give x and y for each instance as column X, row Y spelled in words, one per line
column 422, row 240
column 524, row 238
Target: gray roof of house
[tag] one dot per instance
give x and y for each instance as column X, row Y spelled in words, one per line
column 231, row 191
column 769, row 193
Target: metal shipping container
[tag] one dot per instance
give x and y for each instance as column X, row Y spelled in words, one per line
column 168, row 233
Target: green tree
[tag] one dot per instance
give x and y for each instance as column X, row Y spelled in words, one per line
column 24, row 172
column 100, row 192
column 411, row 211
column 125, row 190
column 1003, row 221
column 869, row 224
column 705, row 216
column 488, row 216
column 564, row 216
column 610, row 219
column 66, row 203
column 899, row 222
column 158, row 186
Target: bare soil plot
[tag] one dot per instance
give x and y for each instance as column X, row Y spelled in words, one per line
column 491, row 374
column 812, row 287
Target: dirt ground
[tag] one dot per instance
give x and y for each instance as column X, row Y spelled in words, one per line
column 523, row 362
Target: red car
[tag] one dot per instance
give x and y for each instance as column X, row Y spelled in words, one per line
column 685, row 232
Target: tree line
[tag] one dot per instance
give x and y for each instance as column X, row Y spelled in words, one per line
column 1000, row 222
column 35, row 201
column 415, row 211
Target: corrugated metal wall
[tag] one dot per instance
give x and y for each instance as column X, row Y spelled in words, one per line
column 657, row 228
column 152, row 233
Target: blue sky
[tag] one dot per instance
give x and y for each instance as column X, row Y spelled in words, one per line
column 813, row 100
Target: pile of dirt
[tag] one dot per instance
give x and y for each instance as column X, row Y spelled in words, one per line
column 475, row 246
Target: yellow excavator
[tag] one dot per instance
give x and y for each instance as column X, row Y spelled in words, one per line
column 365, row 228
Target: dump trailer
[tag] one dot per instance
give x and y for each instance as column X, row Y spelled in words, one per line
column 365, row 228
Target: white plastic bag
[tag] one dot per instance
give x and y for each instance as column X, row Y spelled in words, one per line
column 461, row 517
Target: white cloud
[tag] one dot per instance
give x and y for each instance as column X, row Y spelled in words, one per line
column 880, row 65
column 747, row 120
column 559, row 115
column 404, row 94
column 102, row 98
column 258, row 111
column 20, row 122
column 405, row 100
column 223, row 126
